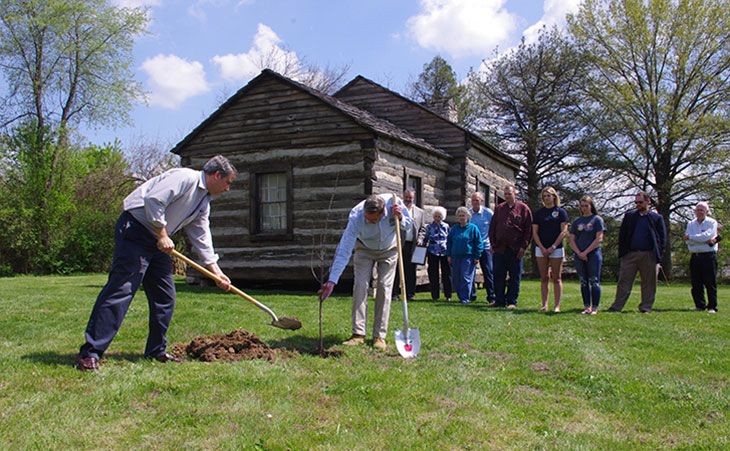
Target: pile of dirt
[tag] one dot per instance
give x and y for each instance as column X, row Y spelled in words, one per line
column 237, row 345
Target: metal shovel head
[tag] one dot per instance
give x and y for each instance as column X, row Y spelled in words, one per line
column 287, row 323
column 408, row 343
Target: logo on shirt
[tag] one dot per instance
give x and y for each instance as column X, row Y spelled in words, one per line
column 581, row 227
column 589, row 227
column 554, row 214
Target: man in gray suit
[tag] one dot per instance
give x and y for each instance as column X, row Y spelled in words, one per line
column 410, row 240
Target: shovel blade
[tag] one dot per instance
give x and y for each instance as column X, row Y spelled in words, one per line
column 408, row 343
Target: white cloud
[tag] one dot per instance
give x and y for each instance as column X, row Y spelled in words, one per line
column 462, row 27
column 554, row 12
column 173, row 80
column 266, row 51
column 136, row 3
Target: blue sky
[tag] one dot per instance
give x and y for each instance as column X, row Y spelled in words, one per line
column 197, row 52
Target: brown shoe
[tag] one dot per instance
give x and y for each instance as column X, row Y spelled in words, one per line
column 379, row 344
column 88, row 363
column 165, row 357
column 354, row 340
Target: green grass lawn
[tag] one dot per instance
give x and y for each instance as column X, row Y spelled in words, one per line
column 483, row 379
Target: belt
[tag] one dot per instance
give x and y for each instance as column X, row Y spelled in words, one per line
column 703, row 253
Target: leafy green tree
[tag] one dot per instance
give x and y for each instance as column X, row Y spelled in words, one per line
column 658, row 95
column 437, row 88
column 529, row 97
column 64, row 63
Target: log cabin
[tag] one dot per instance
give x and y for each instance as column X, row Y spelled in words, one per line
column 306, row 158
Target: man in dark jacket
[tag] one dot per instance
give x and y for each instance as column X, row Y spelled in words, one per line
column 641, row 242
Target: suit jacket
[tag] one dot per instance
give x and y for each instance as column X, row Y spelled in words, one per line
column 656, row 227
column 419, row 223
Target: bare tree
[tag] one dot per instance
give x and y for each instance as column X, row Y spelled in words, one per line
column 529, row 98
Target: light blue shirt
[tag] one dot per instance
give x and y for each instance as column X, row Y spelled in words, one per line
column 379, row 236
column 482, row 219
column 177, row 199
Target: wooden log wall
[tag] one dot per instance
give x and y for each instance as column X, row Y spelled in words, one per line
column 327, row 183
column 273, row 115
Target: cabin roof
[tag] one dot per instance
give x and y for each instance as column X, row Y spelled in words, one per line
column 511, row 161
column 361, row 117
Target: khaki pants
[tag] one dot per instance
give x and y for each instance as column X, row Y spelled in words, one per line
column 643, row 262
column 386, row 262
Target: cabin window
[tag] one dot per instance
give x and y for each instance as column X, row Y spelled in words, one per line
column 415, row 184
column 272, row 202
column 484, row 189
column 498, row 200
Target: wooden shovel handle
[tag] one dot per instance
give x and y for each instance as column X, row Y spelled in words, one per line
column 217, row 279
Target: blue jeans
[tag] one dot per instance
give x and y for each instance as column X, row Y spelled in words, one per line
column 485, row 262
column 507, row 263
column 589, row 273
column 462, row 277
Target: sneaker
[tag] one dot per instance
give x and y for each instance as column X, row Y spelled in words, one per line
column 448, row 299
column 492, row 305
column 586, row 311
column 379, row 344
column 557, row 309
column 511, row 307
column 354, row 340
column 544, row 308
column 594, row 312
column 712, row 311
column 465, row 301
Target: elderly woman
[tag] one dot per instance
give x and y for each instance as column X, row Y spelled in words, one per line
column 549, row 228
column 586, row 235
column 464, row 246
column 436, row 234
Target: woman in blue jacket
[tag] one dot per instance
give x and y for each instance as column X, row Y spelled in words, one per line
column 464, row 246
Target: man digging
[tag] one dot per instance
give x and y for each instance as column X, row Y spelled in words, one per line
column 178, row 199
column 370, row 232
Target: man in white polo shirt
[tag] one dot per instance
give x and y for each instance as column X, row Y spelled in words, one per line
column 701, row 238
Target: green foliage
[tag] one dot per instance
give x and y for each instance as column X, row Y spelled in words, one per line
column 484, row 379
column 438, row 89
column 657, row 96
column 68, row 61
column 68, row 227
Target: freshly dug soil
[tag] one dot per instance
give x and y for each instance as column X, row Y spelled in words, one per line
column 232, row 347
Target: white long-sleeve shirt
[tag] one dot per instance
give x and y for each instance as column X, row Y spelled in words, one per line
column 177, row 199
column 378, row 236
column 699, row 233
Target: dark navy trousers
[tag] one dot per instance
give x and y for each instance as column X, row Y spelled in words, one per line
column 506, row 263
column 137, row 261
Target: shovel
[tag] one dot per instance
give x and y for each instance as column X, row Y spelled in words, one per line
column 408, row 341
column 282, row 323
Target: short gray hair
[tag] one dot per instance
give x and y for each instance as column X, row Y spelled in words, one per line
column 439, row 210
column 703, row 204
column 374, row 204
column 220, row 164
column 478, row 194
column 465, row 210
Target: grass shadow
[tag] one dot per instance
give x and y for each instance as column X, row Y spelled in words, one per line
column 305, row 344
column 57, row 358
